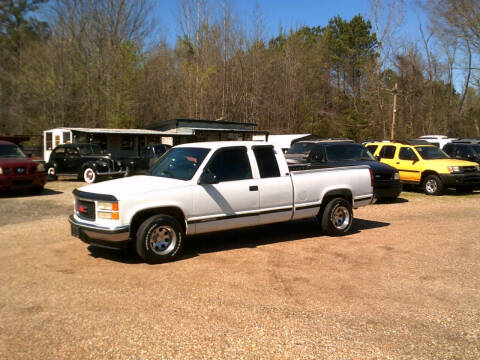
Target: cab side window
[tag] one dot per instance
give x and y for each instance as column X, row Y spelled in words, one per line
column 388, row 152
column 266, row 161
column 316, row 154
column 231, row 164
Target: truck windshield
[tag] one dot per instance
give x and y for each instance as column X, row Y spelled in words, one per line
column 179, row 163
column 11, row 151
column 351, row 152
column 90, row 149
column 300, row 148
column 476, row 148
column 431, row 152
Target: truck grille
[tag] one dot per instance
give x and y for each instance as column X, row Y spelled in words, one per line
column 20, row 170
column 469, row 169
column 85, row 209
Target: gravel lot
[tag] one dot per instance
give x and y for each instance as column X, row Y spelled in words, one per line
column 405, row 284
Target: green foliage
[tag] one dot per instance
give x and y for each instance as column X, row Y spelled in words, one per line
column 325, row 80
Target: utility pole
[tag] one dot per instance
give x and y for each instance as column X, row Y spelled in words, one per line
column 395, row 92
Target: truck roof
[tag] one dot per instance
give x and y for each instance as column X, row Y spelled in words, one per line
column 220, row 144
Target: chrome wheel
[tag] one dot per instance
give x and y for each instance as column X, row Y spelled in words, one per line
column 340, row 217
column 431, row 186
column 89, row 175
column 51, row 171
column 162, row 240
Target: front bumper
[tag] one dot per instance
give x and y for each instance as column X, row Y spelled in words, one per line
column 465, row 179
column 13, row 182
column 390, row 189
column 115, row 237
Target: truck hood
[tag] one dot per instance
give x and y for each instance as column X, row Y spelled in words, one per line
column 127, row 187
column 17, row 162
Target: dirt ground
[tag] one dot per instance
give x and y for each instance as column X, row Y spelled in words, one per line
column 404, row 285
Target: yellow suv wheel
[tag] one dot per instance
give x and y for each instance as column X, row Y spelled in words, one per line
column 433, row 185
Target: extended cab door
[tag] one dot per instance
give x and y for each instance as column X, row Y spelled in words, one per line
column 232, row 200
column 275, row 186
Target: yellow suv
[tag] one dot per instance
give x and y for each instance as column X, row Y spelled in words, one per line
column 424, row 164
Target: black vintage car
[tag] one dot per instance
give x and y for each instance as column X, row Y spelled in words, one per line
column 84, row 161
column 327, row 154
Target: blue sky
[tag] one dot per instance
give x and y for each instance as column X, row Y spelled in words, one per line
column 292, row 13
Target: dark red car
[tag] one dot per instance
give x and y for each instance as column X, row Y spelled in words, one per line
column 17, row 171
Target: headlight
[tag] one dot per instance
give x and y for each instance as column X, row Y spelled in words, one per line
column 454, row 169
column 396, row 176
column 477, row 168
column 109, row 206
column 1, row 171
column 40, row 167
column 108, row 210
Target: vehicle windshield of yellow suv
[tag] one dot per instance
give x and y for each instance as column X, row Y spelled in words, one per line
column 431, row 152
column 427, row 166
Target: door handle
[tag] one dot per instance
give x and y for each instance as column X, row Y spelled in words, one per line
column 397, row 163
column 254, row 188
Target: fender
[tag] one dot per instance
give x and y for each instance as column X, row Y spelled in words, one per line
column 153, row 206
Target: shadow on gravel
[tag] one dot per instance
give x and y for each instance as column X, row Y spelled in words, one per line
column 264, row 235
column 27, row 193
column 240, row 238
column 387, row 201
column 123, row 256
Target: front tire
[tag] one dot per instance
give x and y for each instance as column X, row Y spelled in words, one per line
column 337, row 217
column 89, row 175
column 432, row 185
column 159, row 239
column 52, row 173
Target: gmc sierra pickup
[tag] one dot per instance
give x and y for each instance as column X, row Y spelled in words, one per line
column 213, row 186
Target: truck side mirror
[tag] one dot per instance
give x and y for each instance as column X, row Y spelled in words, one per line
column 207, row 178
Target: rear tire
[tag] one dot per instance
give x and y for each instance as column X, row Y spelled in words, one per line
column 337, row 217
column 159, row 239
column 432, row 185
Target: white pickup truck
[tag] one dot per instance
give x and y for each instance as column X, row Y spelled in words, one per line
column 206, row 187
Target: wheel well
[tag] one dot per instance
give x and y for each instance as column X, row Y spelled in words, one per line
column 143, row 215
column 341, row 193
column 425, row 174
